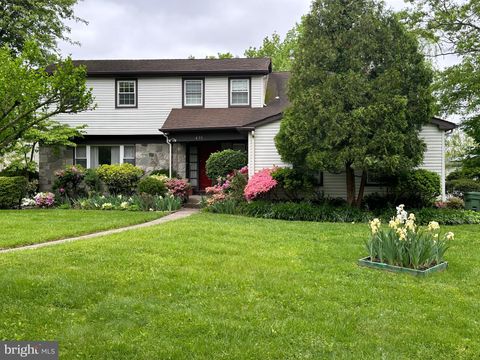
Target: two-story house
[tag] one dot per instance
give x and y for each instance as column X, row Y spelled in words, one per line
column 202, row 106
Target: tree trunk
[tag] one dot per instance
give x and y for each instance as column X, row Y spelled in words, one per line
column 350, row 176
column 361, row 188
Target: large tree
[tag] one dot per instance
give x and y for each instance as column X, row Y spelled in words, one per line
column 359, row 92
column 30, row 95
column 41, row 20
column 453, row 28
column 281, row 51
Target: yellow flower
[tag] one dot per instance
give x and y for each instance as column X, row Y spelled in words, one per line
column 450, row 235
column 411, row 217
column 410, row 225
column 402, row 233
column 433, row 226
column 375, row 225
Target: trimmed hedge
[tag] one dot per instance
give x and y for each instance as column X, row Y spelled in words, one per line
column 222, row 163
column 305, row 211
column 417, row 188
column 12, row 190
column 462, row 186
column 152, row 186
column 120, row 178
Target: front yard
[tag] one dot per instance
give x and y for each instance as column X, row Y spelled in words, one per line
column 218, row 286
column 35, row 226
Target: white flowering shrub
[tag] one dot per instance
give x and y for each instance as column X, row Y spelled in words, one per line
column 404, row 244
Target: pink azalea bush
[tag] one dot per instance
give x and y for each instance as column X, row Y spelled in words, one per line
column 179, row 188
column 260, row 184
column 44, row 199
column 229, row 188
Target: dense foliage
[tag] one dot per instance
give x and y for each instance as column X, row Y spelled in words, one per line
column 359, row 98
column 12, row 190
column 418, row 188
column 68, row 181
column 152, row 185
column 293, row 184
column 222, row 163
column 461, row 186
column 120, row 178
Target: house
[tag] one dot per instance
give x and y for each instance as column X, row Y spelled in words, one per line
column 199, row 106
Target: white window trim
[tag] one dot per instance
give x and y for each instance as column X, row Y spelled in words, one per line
column 118, row 81
column 122, row 152
column 248, row 92
column 185, row 93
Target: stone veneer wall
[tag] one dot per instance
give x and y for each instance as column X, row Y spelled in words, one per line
column 49, row 161
column 149, row 157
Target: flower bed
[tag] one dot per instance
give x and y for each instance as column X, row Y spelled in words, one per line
column 403, row 245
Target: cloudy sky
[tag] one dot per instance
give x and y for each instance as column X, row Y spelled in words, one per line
column 178, row 28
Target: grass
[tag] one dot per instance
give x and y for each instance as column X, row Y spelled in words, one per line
column 35, row 226
column 225, row 287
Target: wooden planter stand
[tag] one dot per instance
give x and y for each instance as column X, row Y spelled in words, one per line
column 386, row 267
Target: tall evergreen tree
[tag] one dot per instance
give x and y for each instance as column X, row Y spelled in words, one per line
column 359, row 92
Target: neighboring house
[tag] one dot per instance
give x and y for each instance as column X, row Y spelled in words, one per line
column 203, row 106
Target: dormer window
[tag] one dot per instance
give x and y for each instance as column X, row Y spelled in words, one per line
column 193, row 92
column 126, row 93
column 240, row 92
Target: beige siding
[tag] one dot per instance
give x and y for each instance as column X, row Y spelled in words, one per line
column 266, row 155
column 265, row 152
column 156, row 98
column 216, row 92
column 257, row 91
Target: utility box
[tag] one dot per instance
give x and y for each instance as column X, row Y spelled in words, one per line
column 472, row 201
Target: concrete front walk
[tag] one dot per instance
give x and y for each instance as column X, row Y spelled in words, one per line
column 174, row 216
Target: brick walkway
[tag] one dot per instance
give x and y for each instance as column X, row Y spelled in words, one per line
column 174, row 216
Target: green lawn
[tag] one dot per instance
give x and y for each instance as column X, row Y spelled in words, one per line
column 35, row 226
column 217, row 286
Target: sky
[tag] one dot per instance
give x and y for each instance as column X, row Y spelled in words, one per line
column 149, row 29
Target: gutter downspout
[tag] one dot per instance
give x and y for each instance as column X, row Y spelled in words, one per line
column 170, row 142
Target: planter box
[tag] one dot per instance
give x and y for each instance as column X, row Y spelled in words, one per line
column 382, row 266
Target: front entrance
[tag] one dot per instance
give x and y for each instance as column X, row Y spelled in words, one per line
column 198, row 154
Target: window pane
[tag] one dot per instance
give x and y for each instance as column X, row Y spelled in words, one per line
column 129, row 152
column 82, row 162
column 115, row 155
column 240, row 85
column 81, row 152
column 104, row 155
column 126, row 99
column 239, row 98
column 193, row 166
column 193, row 182
column 193, row 92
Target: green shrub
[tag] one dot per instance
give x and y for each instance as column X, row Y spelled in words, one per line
column 68, row 182
column 461, row 186
column 376, row 201
column 455, row 203
column 221, row 163
column 293, row 183
column 12, row 190
column 472, row 173
column 417, row 188
column 447, row 216
column 92, row 181
column 237, row 185
column 303, row 211
column 120, row 178
column 164, row 172
column 20, row 168
column 152, row 186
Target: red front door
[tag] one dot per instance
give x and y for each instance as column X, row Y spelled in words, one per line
column 204, row 151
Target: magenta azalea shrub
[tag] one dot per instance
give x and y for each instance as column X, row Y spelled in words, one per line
column 179, row 188
column 44, row 199
column 260, row 184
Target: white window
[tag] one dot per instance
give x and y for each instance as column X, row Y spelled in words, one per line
column 239, row 92
column 92, row 156
column 126, row 93
column 193, row 92
column 81, row 155
column 129, row 154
